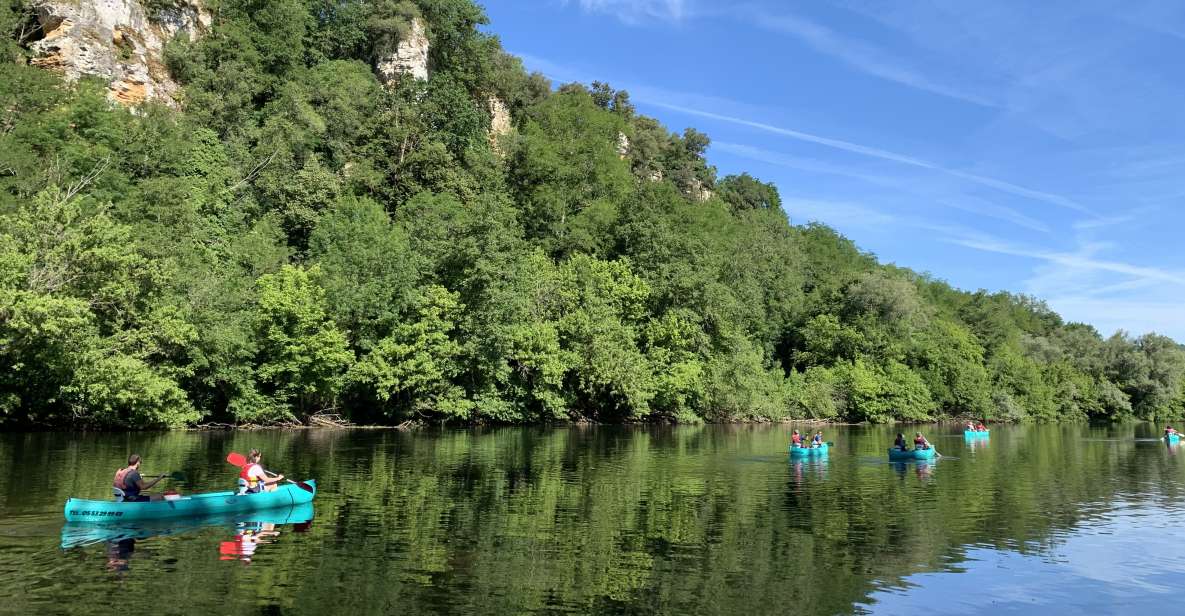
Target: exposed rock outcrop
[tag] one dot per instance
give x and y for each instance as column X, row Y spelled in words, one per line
column 118, row 41
column 698, row 191
column 499, row 120
column 409, row 58
column 623, row 145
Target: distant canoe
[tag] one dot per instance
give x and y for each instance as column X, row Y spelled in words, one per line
column 1172, row 438
column 210, row 503
column 977, row 433
column 805, row 452
column 911, row 454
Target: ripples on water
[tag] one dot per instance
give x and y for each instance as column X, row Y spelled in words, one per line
column 698, row 519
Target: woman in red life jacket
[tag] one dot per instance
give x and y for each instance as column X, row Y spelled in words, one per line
column 255, row 477
column 920, row 442
column 980, row 427
column 131, row 485
column 795, row 439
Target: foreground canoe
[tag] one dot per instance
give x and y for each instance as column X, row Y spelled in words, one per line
column 977, row 433
column 81, row 534
column 211, row 503
column 911, row 454
column 803, row 452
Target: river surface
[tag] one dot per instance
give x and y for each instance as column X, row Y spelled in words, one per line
column 670, row 520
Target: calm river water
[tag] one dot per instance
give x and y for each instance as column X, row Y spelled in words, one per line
column 691, row 520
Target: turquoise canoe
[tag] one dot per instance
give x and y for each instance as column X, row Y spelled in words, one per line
column 977, row 433
column 210, row 503
column 1172, row 438
column 81, row 534
column 804, row 452
column 911, row 454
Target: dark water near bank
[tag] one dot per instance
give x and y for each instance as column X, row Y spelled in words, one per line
column 697, row 520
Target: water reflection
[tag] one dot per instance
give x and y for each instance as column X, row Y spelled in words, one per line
column 251, row 530
column 688, row 519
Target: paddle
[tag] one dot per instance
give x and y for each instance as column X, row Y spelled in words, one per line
column 175, row 475
column 240, row 460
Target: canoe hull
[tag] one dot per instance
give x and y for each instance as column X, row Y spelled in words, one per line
column 912, row 454
column 1172, row 438
column 80, row 534
column 211, row 503
column 977, row 433
column 808, row 452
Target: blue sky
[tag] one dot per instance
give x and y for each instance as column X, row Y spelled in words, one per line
column 1036, row 147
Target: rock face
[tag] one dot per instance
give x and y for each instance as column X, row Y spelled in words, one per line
column 499, row 120
column 698, row 191
column 623, row 145
column 410, row 57
column 116, row 40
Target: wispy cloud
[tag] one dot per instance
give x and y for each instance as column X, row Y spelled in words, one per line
column 855, row 148
column 800, row 163
column 999, row 212
column 836, row 213
column 1072, row 260
column 862, row 56
column 636, row 11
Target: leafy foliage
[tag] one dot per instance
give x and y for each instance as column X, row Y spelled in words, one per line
column 303, row 237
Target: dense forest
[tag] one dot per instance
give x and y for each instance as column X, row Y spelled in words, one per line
column 303, row 238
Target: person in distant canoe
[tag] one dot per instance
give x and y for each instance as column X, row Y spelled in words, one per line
column 920, row 442
column 131, row 484
column 1169, row 430
column 980, row 427
column 900, row 443
column 970, row 427
column 817, row 441
column 795, row 439
column 254, row 477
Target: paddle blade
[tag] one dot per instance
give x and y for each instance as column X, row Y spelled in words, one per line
column 236, row 459
column 304, row 486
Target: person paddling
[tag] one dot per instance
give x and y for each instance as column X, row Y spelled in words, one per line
column 1169, row 430
column 817, row 441
column 253, row 478
column 920, row 442
column 795, row 439
column 970, row 427
column 981, row 427
column 900, row 443
column 131, row 485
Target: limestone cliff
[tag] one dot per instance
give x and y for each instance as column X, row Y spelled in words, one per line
column 409, row 58
column 119, row 41
column 500, row 123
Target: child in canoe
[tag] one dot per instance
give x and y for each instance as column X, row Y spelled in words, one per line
column 920, row 442
column 817, row 441
column 795, row 439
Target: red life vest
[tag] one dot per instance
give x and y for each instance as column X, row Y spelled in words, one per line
column 245, row 474
column 119, row 477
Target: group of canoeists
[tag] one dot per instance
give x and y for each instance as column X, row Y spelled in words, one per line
column 130, row 486
column 920, row 444
column 816, row 440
